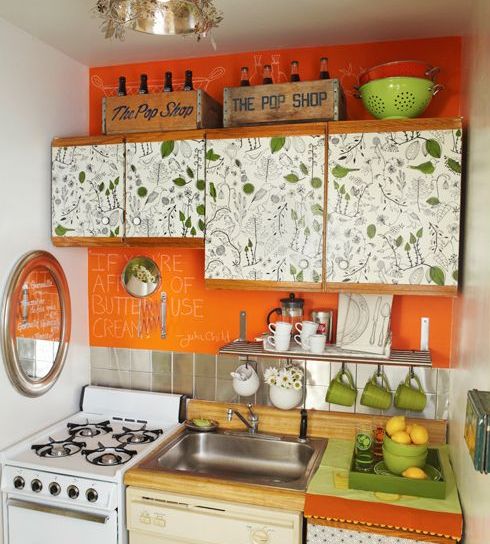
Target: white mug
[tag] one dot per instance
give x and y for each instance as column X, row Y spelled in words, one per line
column 316, row 343
column 280, row 341
column 302, row 340
column 280, row 327
column 307, row 327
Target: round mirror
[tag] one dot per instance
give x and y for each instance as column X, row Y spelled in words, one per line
column 36, row 323
column 141, row 277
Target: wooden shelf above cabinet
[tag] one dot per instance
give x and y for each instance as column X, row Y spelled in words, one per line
column 398, row 357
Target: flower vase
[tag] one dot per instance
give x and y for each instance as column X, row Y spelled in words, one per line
column 283, row 398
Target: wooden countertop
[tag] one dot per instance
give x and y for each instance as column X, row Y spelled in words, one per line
column 320, row 425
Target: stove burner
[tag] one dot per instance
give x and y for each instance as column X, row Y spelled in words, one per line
column 109, row 456
column 89, row 430
column 58, row 448
column 137, row 436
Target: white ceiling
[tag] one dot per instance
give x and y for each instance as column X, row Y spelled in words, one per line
column 248, row 25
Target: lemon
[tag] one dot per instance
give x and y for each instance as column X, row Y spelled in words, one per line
column 401, row 437
column 395, row 424
column 419, row 434
column 415, row 473
column 409, row 428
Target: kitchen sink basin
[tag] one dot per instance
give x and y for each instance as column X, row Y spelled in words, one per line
column 276, row 461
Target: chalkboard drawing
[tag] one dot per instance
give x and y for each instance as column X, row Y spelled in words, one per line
column 88, row 190
column 165, row 189
column 155, row 85
column 264, row 208
column 394, row 207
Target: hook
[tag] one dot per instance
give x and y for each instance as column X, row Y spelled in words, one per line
column 412, row 373
column 343, row 366
column 379, row 372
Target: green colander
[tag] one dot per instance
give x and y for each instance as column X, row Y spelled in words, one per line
column 398, row 97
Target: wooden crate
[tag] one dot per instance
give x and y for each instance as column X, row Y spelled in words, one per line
column 178, row 110
column 321, row 100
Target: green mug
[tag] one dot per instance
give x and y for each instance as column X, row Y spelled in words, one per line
column 342, row 391
column 408, row 397
column 377, row 394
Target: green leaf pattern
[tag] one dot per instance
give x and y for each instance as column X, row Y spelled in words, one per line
column 394, row 207
column 264, row 216
column 173, row 173
column 87, row 197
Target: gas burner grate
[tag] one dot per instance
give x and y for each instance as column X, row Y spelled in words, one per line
column 109, row 456
column 58, row 448
column 137, row 436
column 89, row 430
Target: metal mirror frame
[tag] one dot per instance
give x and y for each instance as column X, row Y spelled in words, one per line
column 13, row 292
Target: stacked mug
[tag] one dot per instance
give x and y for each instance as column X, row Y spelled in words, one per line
column 308, row 337
column 281, row 338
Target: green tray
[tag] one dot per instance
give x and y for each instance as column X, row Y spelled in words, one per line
column 392, row 483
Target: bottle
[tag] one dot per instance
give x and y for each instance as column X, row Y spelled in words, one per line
column 188, row 81
column 294, row 71
column 143, row 84
column 267, row 75
column 167, row 86
column 121, row 89
column 324, row 68
column 244, row 81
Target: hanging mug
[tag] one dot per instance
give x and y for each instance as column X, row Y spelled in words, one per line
column 342, row 391
column 409, row 397
column 377, row 394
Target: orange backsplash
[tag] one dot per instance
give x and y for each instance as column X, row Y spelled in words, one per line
column 199, row 319
column 202, row 320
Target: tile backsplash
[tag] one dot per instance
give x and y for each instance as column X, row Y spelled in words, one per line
column 207, row 377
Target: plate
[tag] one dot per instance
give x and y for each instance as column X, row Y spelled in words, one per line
column 432, row 472
column 189, row 424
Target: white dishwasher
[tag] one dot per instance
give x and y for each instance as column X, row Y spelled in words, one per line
column 155, row 517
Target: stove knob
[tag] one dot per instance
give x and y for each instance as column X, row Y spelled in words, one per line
column 73, row 491
column 36, row 486
column 92, row 495
column 54, row 488
column 19, row 482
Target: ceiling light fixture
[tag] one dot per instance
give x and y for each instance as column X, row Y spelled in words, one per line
column 163, row 17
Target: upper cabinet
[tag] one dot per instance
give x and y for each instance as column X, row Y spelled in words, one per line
column 88, row 190
column 394, row 205
column 265, row 208
column 165, row 189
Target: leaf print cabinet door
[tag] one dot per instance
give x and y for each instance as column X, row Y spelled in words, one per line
column 87, row 190
column 165, row 189
column 394, row 203
column 264, row 210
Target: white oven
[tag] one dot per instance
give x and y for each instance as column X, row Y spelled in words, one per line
column 35, row 523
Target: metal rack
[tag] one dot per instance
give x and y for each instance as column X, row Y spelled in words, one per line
column 398, row 357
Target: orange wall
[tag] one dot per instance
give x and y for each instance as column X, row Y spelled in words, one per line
column 201, row 320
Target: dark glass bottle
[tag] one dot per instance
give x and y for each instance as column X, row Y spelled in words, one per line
column 267, row 75
column 324, row 68
column 143, row 84
column 167, row 86
column 121, row 89
column 295, row 71
column 188, row 81
column 244, row 81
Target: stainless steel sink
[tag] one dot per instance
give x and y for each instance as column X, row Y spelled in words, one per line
column 266, row 460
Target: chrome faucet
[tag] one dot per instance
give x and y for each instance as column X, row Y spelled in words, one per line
column 252, row 423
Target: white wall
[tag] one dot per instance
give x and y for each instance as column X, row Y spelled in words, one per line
column 472, row 333
column 43, row 93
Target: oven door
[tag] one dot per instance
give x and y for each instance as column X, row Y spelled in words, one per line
column 35, row 523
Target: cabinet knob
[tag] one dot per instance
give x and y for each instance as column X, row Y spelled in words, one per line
column 105, row 220
column 260, row 536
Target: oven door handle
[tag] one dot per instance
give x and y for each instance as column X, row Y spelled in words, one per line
column 65, row 512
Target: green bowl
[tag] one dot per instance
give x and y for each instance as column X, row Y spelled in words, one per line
column 398, row 463
column 397, row 97
column 406, row 450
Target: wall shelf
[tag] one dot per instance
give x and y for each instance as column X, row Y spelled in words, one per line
column 398, row 357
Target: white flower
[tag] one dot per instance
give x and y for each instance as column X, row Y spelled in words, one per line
column 270, row 375
column 297, row 385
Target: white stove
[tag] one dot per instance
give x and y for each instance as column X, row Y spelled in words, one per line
column 65, row 484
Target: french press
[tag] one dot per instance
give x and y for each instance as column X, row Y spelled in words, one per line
column 291, row 310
